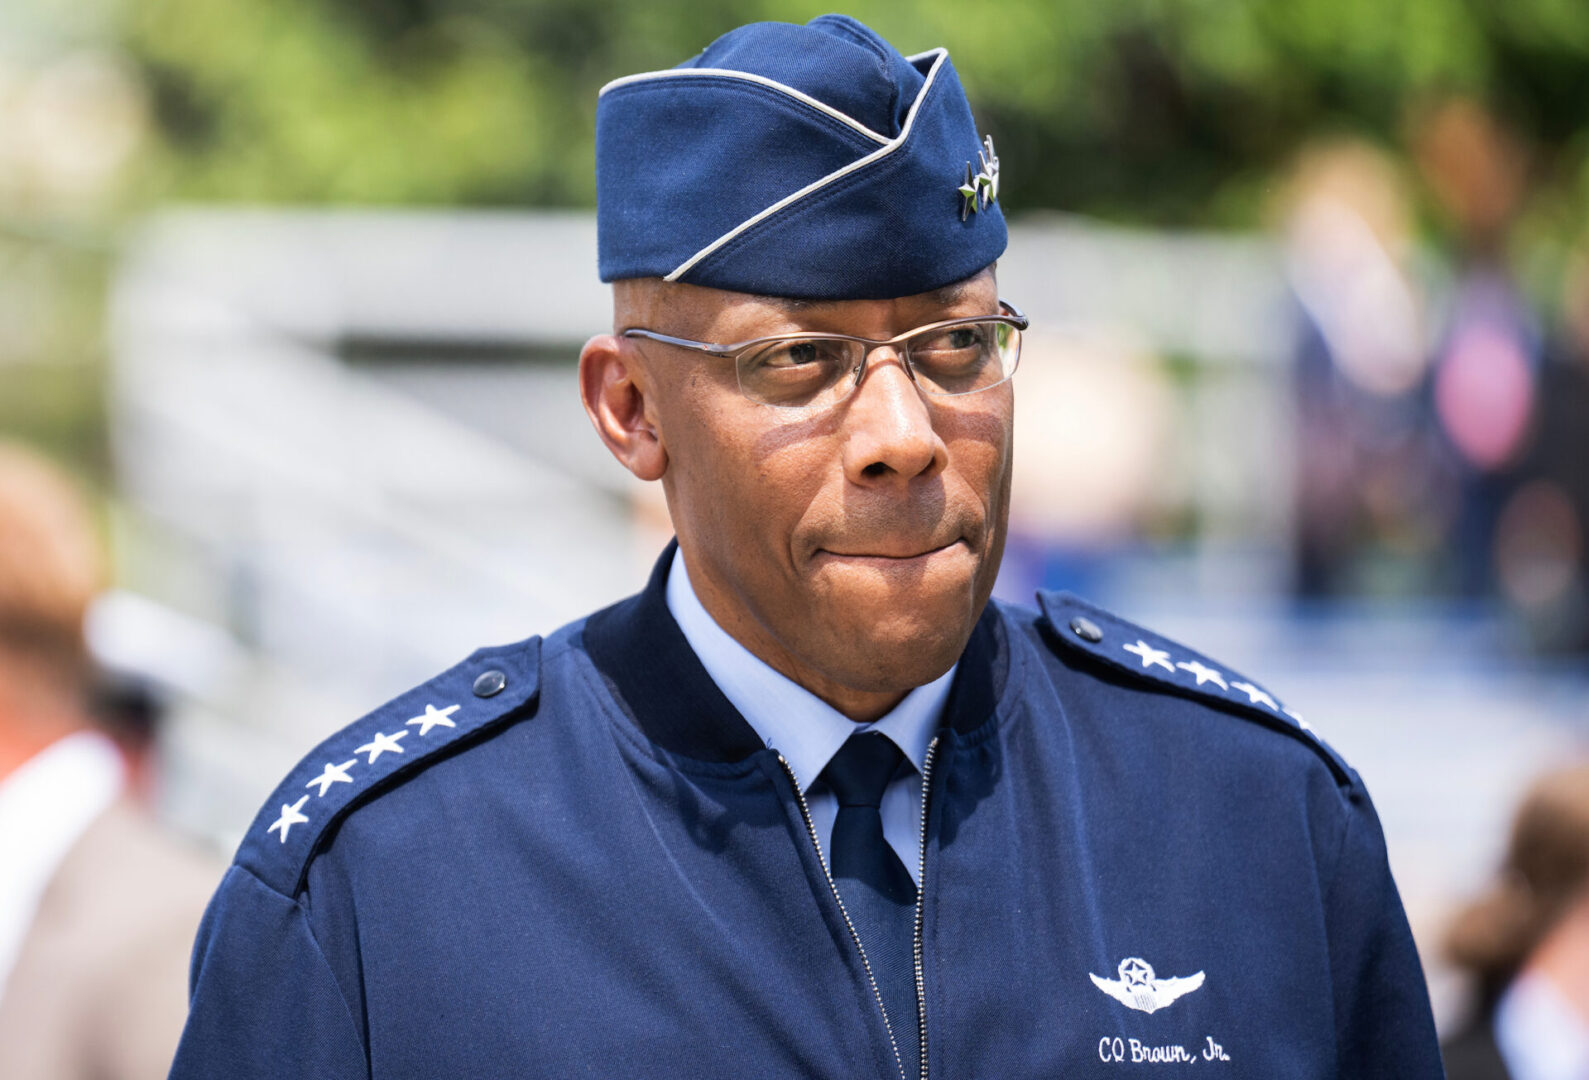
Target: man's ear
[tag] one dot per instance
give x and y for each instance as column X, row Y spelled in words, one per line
column 613, row 388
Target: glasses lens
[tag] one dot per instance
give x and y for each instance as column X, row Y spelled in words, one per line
column 965, row 358
column 797, row 371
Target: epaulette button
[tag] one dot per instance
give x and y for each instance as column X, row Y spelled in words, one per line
column 1086, row 629
column 490, row 683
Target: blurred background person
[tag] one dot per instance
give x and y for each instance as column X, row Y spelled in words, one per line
column 1526, row 944
column 97, row 907
column 1541, row 559
column 1484, row 381
column 1369, row 482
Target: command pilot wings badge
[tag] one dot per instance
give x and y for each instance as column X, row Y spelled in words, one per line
column 1138, row 989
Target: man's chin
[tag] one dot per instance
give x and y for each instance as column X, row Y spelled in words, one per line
column 898, row 578
column 895, row 642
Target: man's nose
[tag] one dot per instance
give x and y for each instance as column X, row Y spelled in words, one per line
column 888, row 425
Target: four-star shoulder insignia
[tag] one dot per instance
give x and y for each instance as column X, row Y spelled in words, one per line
column 371, row 754
column 1079, row 625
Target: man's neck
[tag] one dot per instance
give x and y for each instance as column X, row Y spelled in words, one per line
column 805, row 729
column 860, row 706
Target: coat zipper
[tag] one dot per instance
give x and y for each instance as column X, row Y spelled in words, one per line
column 877, row 995
column 921, row 906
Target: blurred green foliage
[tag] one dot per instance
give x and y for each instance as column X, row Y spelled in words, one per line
column 1163, row 111
column 52, row 346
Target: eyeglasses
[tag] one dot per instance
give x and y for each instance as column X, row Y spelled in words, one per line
column 946, row 359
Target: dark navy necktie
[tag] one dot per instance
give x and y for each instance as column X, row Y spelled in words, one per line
column 877, row 890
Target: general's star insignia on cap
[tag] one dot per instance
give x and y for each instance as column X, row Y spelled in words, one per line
column 981, row 187
column 968, row 193
column 990, row 171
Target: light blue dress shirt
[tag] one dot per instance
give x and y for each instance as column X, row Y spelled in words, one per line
column 807, row 730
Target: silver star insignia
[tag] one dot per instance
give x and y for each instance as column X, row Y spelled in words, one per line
column 981, row 188
column 968, row 193
column 990, row 172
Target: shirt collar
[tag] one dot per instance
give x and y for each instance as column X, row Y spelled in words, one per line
column 788, row 717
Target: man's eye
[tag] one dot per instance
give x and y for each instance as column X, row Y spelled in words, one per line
column 953, row 339
column 794, row 372
column 794, row 354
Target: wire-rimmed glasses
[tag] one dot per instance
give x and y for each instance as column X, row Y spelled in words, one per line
column 947, row 359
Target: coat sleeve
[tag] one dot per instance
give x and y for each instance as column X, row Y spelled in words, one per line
column 1384, row 1026
column 263, row 1001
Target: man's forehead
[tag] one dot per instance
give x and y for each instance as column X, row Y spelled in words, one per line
column 644, row 301
column 944, row 296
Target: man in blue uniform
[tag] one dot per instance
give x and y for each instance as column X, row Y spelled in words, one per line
column 810, row 805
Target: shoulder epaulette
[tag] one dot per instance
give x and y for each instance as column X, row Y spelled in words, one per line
column 1145, row 656
column 373, row 754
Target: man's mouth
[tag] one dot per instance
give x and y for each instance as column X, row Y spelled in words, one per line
column 890, row 552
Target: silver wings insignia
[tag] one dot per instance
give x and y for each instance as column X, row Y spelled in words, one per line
column 1137, row 988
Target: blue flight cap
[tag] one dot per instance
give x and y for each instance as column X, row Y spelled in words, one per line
column 801, row 161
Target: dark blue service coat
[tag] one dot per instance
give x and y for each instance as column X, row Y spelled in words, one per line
column 575, row 858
